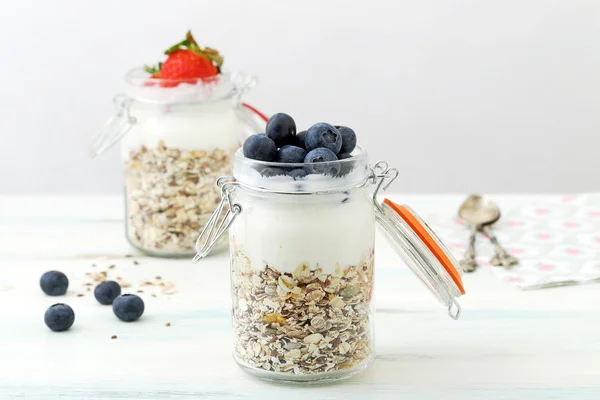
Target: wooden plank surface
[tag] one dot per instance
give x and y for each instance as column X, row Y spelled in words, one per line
column 507, row 344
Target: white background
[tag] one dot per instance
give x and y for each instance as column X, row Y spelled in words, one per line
column 492, row 96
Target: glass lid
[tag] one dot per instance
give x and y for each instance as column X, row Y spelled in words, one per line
column 423, row 252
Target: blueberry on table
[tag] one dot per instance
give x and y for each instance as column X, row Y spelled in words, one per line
column 59, row 317
column 348, row 139
column 343, row 156
column 260, row 147
column 281, row 128
column 300, row 139
column 323, row 135
column 54, row 283
column 107, row 292
column 321, row 161
column 291, row 154
column 128, row 307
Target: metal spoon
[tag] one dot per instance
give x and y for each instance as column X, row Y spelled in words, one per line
column 501, row 256
column 481, row 212
column 468, row 263
column 466, row 212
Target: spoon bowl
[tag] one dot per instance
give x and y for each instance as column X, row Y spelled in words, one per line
column 481, row 213
column 479, row 210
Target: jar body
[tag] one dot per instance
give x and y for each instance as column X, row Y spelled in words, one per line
column 172, row 156
column 302, row 284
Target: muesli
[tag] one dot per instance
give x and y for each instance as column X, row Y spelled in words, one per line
column 171, row 193
column 305, row 322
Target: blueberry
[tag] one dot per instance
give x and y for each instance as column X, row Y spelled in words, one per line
column 271, row 171
column 107, row 291
column 323, row 135
column 259, row 147
column 54, row 283
column 300, row 139
column 128, row 307
column 346, row 166
column 298, row 173
column 281, row 128
column 59, row 317
column 348, row 139
column 291, row 154
column 322, row 156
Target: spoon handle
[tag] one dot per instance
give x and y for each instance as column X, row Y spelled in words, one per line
column 501, row 257
column 468, row 263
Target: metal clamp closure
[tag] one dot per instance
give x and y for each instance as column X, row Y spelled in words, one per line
column 383, row 176
column 454, row 310
column 115, row 128
column 210, row 236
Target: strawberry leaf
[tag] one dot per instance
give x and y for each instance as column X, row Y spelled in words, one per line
column 184, row 43
column 151, row 69
column 192, row 42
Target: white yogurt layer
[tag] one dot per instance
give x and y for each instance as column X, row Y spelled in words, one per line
column 206, row 126
column 285, row 231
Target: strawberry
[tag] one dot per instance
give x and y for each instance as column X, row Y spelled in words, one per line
column 186, row 66
column 186, row 62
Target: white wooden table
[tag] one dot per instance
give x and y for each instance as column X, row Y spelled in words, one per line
column 507, row 344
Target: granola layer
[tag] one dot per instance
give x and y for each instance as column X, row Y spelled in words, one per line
column 171, row 194
column 306, row 322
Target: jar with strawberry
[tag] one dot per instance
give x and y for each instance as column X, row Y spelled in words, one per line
column 178, row 124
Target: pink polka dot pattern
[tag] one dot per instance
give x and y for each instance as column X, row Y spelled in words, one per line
column 557, row 240
column 545, row 267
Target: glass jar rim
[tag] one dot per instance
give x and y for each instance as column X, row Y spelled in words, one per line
column 142, row 87
column 247, row 173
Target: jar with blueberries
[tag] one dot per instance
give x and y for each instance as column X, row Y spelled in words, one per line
column 302, row 246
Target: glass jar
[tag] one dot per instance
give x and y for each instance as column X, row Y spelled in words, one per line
column 302, row 253
column 176, row 139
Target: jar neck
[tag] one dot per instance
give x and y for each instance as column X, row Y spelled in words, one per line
column 214, row 106
column 332, row 176
column 244, row 194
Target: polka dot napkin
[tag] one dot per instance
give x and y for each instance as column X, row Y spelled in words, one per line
column 557, row 242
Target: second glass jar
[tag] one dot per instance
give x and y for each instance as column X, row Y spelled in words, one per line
column 175, row 140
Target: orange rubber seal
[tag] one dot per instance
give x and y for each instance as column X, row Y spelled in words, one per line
column 255, row 111
column 428, row 240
